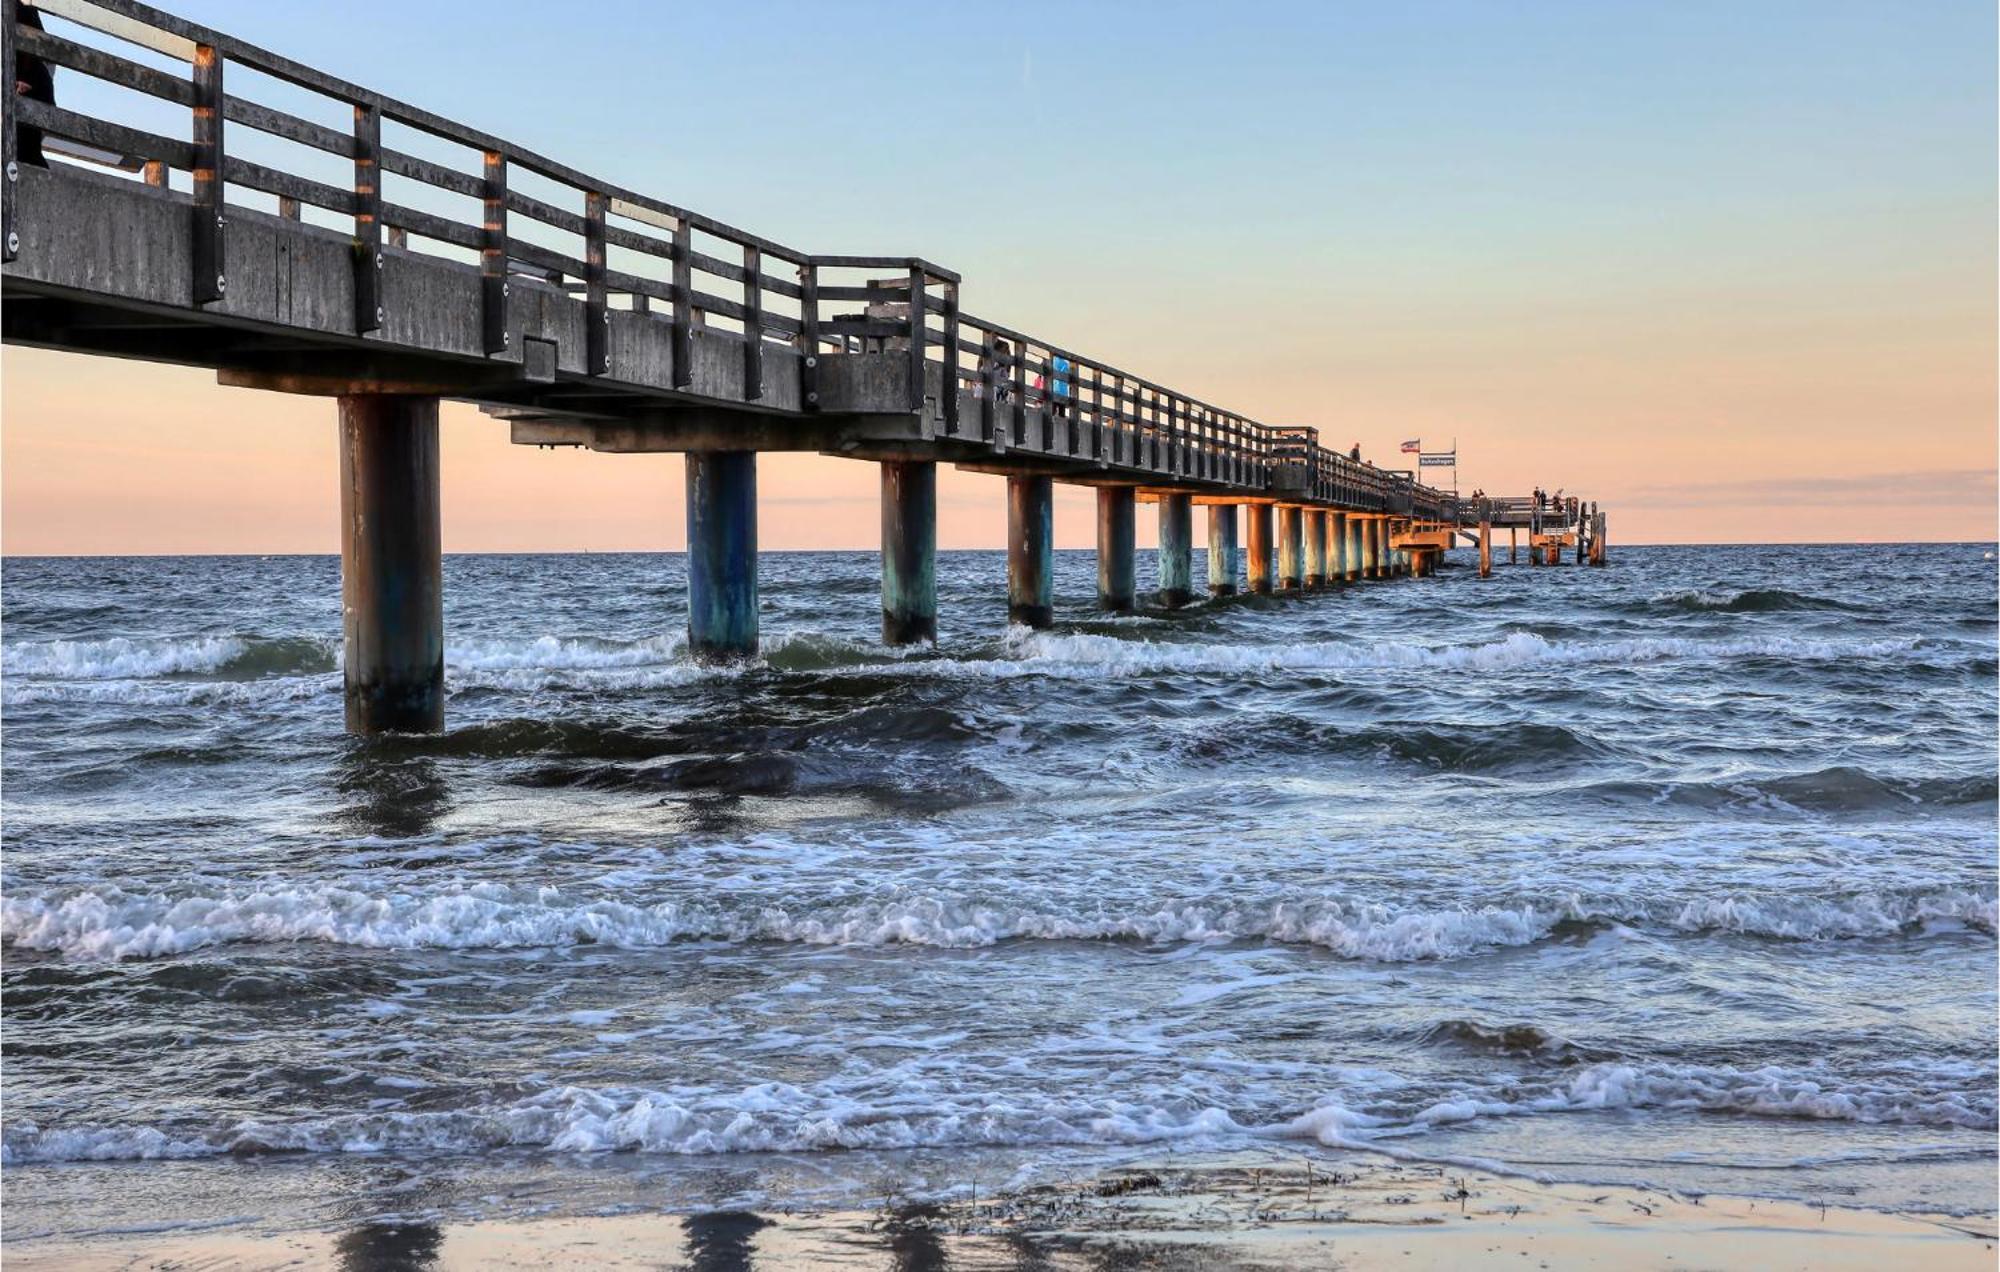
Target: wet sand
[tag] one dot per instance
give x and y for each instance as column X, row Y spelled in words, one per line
column 1226, row 1214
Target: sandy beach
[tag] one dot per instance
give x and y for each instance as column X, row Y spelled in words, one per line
column 1223, row 1214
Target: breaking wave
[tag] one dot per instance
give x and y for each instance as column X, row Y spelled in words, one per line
column 781, row 1117
column 1752, row 601
column 107, row 922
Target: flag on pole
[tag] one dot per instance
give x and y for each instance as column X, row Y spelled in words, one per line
column 1412, row 448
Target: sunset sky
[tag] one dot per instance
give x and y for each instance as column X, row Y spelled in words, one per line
column 1727, row 268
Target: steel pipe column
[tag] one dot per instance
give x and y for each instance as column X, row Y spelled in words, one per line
column 1291, row 547
column 1261, row 563
column 1176, row 550
column 391, row 564
column 1116, row 514
column 1315, row 549
column 1031, row 527
column 1222, row 549
column 722, row 554
column 909, row 551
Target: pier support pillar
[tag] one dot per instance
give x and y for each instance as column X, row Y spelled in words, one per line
column 722, row 554
column 1316, row 549
column 1260, row 565
column 1485, row 549
column 1357, row 551
column 909, row 551
column 1513, row 545
column 1291, row 547
column 1031, row 526
column 1336, row 547
column 391, row 564
column 1597, row 539
column 1176, row 550
column 1371, row 548
column 1222, row 549
column 1116, row 514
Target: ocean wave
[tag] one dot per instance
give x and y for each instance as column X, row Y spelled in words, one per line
column 107, row 922
column 1081, row 655
column 1839, row 789
column 782, row 1117
column 1765, row 600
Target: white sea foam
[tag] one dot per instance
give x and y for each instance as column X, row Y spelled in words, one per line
column 108, row 922
column 836, row 1115
column 118, row 658
column 1090, row 656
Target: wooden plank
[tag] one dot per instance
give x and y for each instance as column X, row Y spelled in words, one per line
column 279, row 124
column 596, row 314
column 546, row 213
column 256, row 176
column 368, row 312
column 493, row 289
column 208, row 176
column 443, row 229
column 106, row 18
column 753, row 324
column 435, row 174
column 99, row 64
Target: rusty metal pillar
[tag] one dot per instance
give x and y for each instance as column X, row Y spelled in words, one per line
column 1260, row 565
column 391, row 564
column 909, row 551
column 722, row 554
column 1222, row 549
column 1031, row 527
column 1116, row 514
column 1176, row 550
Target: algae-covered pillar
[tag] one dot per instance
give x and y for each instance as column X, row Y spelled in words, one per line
column 1291, row 547
column 1260, row 563
column 1030, row 550
column 1116, row 514
column 1176, row 550
column 722, row 554
column 391, row 564
column 1315, row 549
column 1222, row 549
column 909, row 551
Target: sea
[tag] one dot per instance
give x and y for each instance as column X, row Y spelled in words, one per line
column 1679, row 872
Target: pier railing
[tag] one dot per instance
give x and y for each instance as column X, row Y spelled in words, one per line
column 221, row 124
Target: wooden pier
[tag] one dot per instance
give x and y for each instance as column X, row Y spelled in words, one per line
column 403, row 258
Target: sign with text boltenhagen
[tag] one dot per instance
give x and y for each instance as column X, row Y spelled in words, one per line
column 1439, row 461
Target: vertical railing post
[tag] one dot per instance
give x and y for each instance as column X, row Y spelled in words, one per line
column 989, row 386
column 368, row 313
column 209, row 282
column 753, row 323
column 683, row 334
column 809, row 333
column 951, row 352
column 493, row 289
column 919, row 332
column 596, row 301
column 10, row 155
column 1020, row 374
